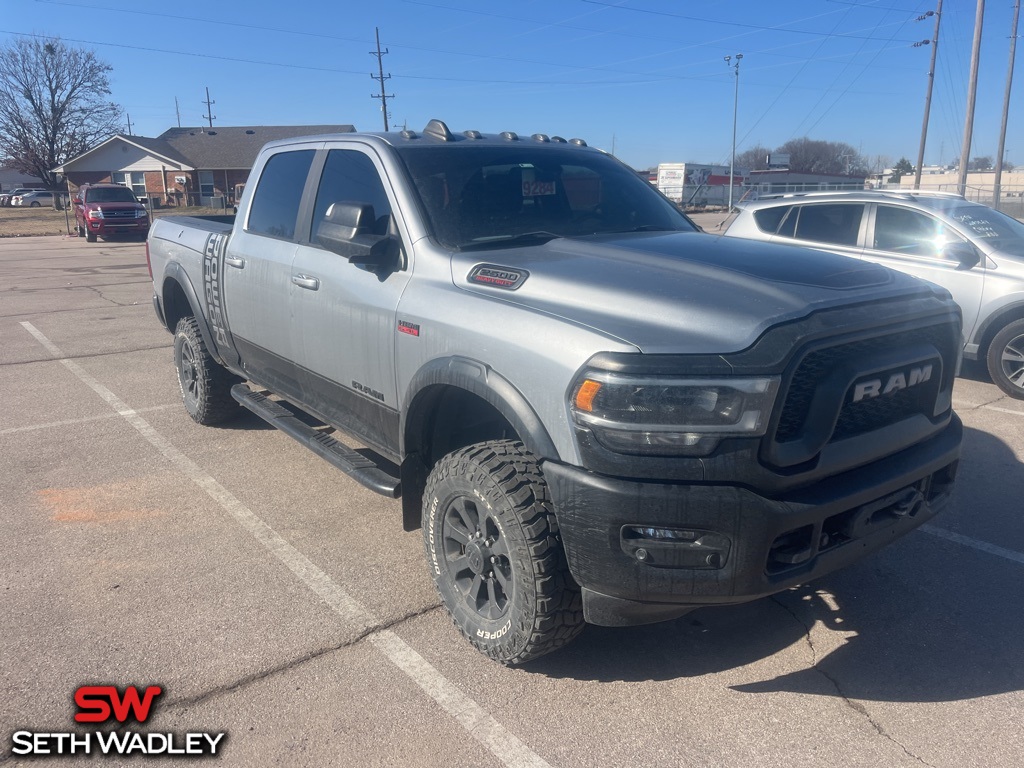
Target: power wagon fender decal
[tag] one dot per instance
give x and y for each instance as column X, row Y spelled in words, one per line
column 213, row 293
column 498, row 276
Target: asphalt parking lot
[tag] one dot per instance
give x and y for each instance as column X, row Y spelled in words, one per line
column 276, row 601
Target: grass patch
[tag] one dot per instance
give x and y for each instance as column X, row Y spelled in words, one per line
column 28, row 222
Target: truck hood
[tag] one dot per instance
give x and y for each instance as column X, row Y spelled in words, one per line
column 676, row 292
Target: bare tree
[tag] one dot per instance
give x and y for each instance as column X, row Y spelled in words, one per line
column 754, row 159
column 52, row 104
column 813, row 156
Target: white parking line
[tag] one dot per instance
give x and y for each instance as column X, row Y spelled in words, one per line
column 985, row 406
column 493, row 736
column 981, row 546
column 83, row 420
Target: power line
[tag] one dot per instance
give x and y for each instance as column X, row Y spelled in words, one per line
column 759, row 27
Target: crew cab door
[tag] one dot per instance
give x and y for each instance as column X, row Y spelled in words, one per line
column 344, row 314
column 258, row 269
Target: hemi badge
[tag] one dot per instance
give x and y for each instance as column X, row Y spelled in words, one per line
column 498, row 276
column 410, row 328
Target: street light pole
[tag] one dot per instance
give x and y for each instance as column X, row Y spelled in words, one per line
column 735, row 107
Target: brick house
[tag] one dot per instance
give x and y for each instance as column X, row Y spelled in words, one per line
column 182, row 166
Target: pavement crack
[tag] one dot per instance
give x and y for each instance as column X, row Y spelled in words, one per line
column 294, row 663
column 850, row 703
column 83, row 357
column 99, row 293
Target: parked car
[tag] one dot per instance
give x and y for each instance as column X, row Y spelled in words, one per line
column 975, row 252
column 34, row 199
column 6, row 197
column 106, row 210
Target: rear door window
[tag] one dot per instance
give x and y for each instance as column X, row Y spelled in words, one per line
column 275, row 204
column 834, row 223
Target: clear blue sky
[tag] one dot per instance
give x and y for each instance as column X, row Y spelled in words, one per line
column 643, row 77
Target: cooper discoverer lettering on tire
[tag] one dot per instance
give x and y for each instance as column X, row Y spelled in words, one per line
column 205, row 386
column 496, row 555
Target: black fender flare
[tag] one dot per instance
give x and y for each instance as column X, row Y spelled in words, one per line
column 1013, row 309
column 174, row 271
column 477, row 379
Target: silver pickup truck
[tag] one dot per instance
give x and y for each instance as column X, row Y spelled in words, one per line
column 596, row 412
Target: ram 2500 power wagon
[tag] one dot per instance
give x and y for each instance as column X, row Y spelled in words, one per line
column 595, row 411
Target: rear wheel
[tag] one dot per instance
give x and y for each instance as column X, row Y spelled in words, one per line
column 205, row 385
column 495, row 555
column 33, row 205
column 1006, row 359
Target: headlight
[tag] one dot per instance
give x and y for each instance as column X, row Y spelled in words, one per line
column 667, row 416
column 140, row 214
column 97, row 214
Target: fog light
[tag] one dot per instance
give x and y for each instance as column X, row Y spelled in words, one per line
column 675, row 547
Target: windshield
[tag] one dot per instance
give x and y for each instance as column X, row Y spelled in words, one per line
column 991, row 227
column 486, row 196
column 110, row 195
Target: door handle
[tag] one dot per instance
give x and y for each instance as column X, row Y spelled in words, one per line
column 305, row 281
column 231, row 262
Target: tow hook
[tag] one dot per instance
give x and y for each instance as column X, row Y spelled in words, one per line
column 909, row 505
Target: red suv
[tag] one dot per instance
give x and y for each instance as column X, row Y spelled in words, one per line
column 106, row 210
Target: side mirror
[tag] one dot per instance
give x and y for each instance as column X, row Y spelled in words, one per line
column 347, row 230
column 964, row 253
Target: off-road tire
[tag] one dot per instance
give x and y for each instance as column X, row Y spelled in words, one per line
column 486, row 510
column 1006, row 359
column 205, row 385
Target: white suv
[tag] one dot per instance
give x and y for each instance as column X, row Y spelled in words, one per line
column 973, row 251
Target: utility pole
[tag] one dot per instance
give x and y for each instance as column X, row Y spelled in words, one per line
column 209, row 108
column 129, row 123
column 972, row 94
column 735, row 109
column 177, row 111
column 928, row 95
column 381, row 77
column 997, row 190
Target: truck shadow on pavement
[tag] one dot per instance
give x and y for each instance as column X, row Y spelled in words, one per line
column 924, row 620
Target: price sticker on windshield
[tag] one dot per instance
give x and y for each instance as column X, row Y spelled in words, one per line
column 537, row 188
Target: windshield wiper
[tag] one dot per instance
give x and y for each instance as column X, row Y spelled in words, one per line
column 507, row 241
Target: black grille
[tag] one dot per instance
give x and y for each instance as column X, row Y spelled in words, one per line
column 119, row 213
column 872, row 413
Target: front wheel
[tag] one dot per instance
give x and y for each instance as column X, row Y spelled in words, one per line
column 495, row 555
column 205, row 385
column 33, row 205
column 1006, row 359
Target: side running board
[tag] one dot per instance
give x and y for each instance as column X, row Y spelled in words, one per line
column 354, row 464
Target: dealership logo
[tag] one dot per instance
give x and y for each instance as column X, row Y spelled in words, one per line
column 99, row 704
column 872, row 388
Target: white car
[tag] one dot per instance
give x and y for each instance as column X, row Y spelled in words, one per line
column 34, row 199
column 971, row 250
column 6, row 197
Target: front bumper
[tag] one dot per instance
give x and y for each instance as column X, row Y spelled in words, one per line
column 741, row 545
column 113, row 227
